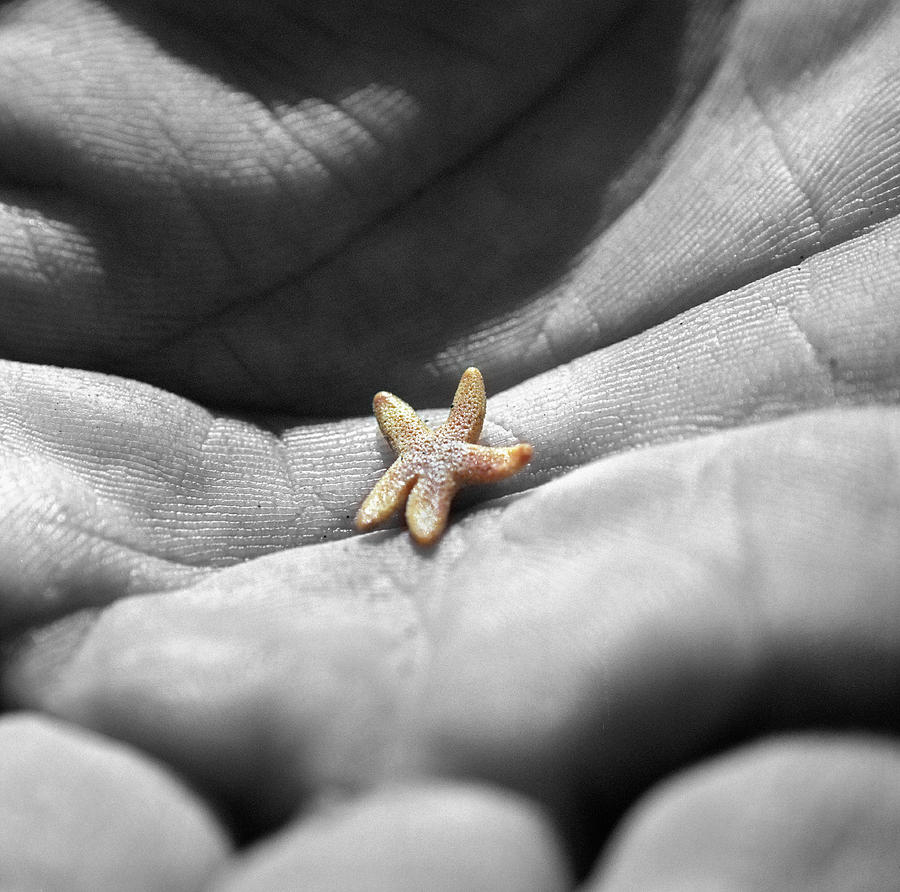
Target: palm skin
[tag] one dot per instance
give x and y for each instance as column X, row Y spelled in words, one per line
column 680, row 224
column 186, row 173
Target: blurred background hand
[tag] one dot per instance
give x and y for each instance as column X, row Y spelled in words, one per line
column 645, row 224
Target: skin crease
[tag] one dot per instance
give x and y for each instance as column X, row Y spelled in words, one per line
column 666, row 234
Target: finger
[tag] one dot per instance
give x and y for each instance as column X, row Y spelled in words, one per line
column 276, row 687
column 436, row 837
column 800, row 813
column 88, row 813
column 821, row 334
column 651, row 199
column 109, row 488
column 730, row 582
column 160, row 169
column 735, row 580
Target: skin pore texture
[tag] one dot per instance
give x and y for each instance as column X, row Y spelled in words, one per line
column 667, row 234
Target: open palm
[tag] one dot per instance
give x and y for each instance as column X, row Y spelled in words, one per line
column 663, row 226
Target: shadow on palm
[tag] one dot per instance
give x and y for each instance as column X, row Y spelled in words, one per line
column 291, row 208
column 589, row 636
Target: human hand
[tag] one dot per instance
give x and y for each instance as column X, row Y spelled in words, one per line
column 217, row 198
column 558, row 640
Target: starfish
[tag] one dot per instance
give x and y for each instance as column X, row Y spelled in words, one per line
column 434, row 463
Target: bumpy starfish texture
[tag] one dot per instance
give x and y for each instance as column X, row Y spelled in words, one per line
column 434, row 463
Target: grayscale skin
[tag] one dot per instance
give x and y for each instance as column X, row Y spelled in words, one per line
column 666, row 233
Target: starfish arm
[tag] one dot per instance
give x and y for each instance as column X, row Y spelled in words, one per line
column 467, row 412
column 433, row 464
column 485, row 464
column 386, row 496
column 398, row 421
column 427, row 508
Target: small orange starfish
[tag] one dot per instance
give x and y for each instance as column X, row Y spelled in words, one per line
column 433, row 464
